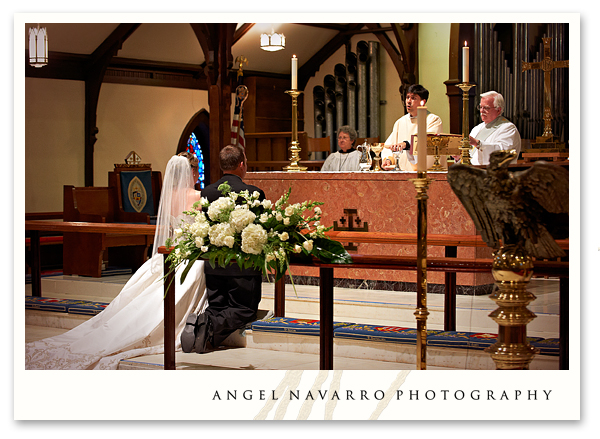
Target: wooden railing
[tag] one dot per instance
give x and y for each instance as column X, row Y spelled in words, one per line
column 450, row 265
column 447, row 265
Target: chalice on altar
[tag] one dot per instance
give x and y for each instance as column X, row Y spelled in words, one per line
column 397, row 155
column 377, row 148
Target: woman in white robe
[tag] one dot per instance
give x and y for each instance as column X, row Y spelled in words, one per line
column 132, row 324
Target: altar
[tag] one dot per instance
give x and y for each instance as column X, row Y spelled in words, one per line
column 381, row 202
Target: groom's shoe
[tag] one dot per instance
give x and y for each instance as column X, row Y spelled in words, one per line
column 201, row 333
column 188, row 336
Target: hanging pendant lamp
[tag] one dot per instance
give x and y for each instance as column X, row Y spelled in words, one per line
column 272, row 42
column 38, row 47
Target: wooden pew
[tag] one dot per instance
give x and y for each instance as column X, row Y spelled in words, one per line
column 35, row 227
column 84, row 252
column 51, row 242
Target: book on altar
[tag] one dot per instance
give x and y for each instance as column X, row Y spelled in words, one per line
column 438, row 144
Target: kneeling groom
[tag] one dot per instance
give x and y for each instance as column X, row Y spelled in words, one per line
column 233, row 294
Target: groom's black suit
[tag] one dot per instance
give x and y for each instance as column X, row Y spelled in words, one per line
column 233, row 294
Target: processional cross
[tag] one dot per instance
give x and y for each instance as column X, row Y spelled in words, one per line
column 546, row 65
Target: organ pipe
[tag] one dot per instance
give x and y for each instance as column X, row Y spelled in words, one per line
column 362, row 56
column 350, row 96
column 373, row 89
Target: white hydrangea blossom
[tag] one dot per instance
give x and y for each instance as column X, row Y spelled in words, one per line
column 218, row 234
column 220, row 206
column 254, row 237
column 229, row 241
column 240, row 218
column 199, row 229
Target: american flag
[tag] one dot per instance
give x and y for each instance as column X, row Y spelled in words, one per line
column 237, row 126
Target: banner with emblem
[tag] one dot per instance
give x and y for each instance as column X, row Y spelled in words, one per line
column 136, row 187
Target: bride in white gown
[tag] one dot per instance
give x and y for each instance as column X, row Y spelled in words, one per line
column 132, row 324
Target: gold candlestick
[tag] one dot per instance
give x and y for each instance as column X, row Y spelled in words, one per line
column 421, row 184
column 295, row 145
column 465, row 146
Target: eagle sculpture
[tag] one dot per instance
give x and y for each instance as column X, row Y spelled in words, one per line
column 525, row 208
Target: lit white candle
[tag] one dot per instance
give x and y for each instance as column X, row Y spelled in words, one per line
column 465, row 66
column 422, row 138
column 294, row 73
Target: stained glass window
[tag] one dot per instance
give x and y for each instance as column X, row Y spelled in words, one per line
column 194, row 147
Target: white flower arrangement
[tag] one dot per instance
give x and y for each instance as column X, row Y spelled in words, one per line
column 240, row 228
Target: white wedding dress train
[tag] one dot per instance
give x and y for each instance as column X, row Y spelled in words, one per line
column 130, row 326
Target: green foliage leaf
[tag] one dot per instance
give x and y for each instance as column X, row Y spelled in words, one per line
column 188, row 267
column 330, row 251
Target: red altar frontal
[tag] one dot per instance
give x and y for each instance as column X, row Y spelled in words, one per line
column 379, row 202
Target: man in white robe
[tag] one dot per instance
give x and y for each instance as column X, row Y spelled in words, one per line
column 347, row 158
column 405, row 127
column 495, row 132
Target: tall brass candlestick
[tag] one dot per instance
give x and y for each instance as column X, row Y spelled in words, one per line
column 512, row 269
column 421, row 184
column 465, row 146
column 295, row 145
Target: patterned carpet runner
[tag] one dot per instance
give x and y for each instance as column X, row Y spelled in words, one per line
column 395, row 334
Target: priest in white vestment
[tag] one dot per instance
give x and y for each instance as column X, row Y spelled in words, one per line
column 495, row 132
column 405, row 127
column 347, row 158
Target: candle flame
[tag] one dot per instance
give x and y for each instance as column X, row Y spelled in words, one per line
column 465, row 44
column 422, row 103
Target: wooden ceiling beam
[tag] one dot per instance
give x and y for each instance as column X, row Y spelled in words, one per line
column 241, row 31
column 100, row 57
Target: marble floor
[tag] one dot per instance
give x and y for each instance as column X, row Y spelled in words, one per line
column 351, row 305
